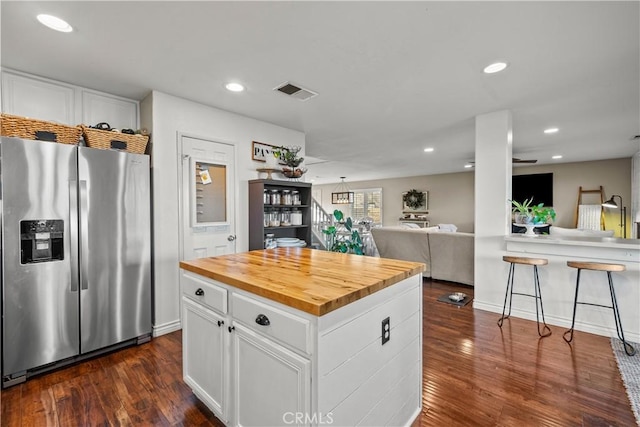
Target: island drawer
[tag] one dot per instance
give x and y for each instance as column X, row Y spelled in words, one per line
column 204, row 291
column 272, row 322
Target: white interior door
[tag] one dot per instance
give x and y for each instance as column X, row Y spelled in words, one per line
column 207, row 220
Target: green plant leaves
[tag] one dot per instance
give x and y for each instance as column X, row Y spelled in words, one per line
column 351, row 243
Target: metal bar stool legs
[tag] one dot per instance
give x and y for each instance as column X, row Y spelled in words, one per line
column 628, row 348
column 608, row 268
column 507, row 295
column 573, row 319
column 544, row 330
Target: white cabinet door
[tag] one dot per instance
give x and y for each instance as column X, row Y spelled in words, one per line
column 205, row 352
column 120, row 113
column 272, row 385
column 38, row 99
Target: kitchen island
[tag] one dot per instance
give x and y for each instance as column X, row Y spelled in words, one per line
column 294, row 336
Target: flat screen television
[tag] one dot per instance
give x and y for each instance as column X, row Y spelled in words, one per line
column 538, row 185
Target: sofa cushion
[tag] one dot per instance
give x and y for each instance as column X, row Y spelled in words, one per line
column 452, row 256
column 403, row 243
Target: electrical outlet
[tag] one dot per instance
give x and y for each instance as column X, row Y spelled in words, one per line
column 386, row 330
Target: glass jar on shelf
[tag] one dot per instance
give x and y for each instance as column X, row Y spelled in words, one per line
column 295, row 197
column 286, row 197
column 275, row 197
column 274, row 219
column 270, row 241
column 266, row 197
column 285, row 218
column 296, row 217
column 267, row 217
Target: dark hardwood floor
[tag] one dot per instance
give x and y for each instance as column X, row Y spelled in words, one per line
column 475, row 374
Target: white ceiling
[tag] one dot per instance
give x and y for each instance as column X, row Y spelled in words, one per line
column 392, row 77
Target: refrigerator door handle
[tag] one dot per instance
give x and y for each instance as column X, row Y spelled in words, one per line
column 73, row 232
column 84, row 236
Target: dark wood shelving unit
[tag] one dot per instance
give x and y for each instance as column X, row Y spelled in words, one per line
column 257, row 207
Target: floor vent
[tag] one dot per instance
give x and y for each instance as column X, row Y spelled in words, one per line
column 296, row 92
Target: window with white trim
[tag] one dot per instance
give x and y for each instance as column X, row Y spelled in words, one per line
column 367, row 203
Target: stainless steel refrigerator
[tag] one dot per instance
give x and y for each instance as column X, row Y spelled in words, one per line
column 76, row 275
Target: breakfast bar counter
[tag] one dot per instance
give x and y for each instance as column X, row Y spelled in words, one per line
column 601, row 248
column 558, row 280
column 295, row 336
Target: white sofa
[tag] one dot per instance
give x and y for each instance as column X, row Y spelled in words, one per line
column 447, row 256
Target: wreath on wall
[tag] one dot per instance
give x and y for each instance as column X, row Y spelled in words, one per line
column 413, row 199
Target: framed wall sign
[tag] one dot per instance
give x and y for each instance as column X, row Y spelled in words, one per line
column 260, row 151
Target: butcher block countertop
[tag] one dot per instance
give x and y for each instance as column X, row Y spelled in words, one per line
column 310, row 280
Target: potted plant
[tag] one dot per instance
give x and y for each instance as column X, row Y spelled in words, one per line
column 289, row 156
column 343, row 238
column 542, row 214
column 522, row 211
column 527, row 213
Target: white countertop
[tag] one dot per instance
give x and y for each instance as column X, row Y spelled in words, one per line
column 595, row 248
column 600, row 242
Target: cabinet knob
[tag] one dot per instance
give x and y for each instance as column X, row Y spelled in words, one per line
column 199, row 292
column 231, row 328
column 262, row 320
column 220, row 323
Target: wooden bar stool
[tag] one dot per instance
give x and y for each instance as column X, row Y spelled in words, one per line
column 535, row 262
column 609, row 268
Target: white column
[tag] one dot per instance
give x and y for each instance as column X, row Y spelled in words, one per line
column 492, row 206
column 635, row 196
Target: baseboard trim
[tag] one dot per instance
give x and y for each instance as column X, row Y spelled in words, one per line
column 557, row 321
column 167, row 328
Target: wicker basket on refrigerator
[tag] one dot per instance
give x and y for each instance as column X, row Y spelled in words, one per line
column 108, row 140
column 27, row 128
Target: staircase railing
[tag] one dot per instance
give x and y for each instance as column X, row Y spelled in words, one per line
column 319, row 217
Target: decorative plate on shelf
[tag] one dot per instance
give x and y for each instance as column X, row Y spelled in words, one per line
column 287, row 239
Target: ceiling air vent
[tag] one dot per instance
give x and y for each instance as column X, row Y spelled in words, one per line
column 294, row 91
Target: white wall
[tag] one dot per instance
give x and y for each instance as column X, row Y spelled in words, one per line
column 451, row 198
column 635, row 196
column 165, row 116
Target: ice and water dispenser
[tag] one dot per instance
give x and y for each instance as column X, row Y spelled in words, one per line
column 41, row 240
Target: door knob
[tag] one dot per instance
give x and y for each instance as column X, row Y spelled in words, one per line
column 231, row 238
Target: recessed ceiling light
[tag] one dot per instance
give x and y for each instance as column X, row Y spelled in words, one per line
column 551, row 130
column 55, row 23
column 428, row 150
column 234, row 87
column 495, row 67
column 467, row 166
column 557, row 156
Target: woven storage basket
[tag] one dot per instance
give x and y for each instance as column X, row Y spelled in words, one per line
column 24, row 127
column 107, row 140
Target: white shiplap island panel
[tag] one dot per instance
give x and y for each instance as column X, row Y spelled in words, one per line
column 320, row 359
column 557, row 281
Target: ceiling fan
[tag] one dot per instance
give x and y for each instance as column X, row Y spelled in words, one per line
column 516, row 160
